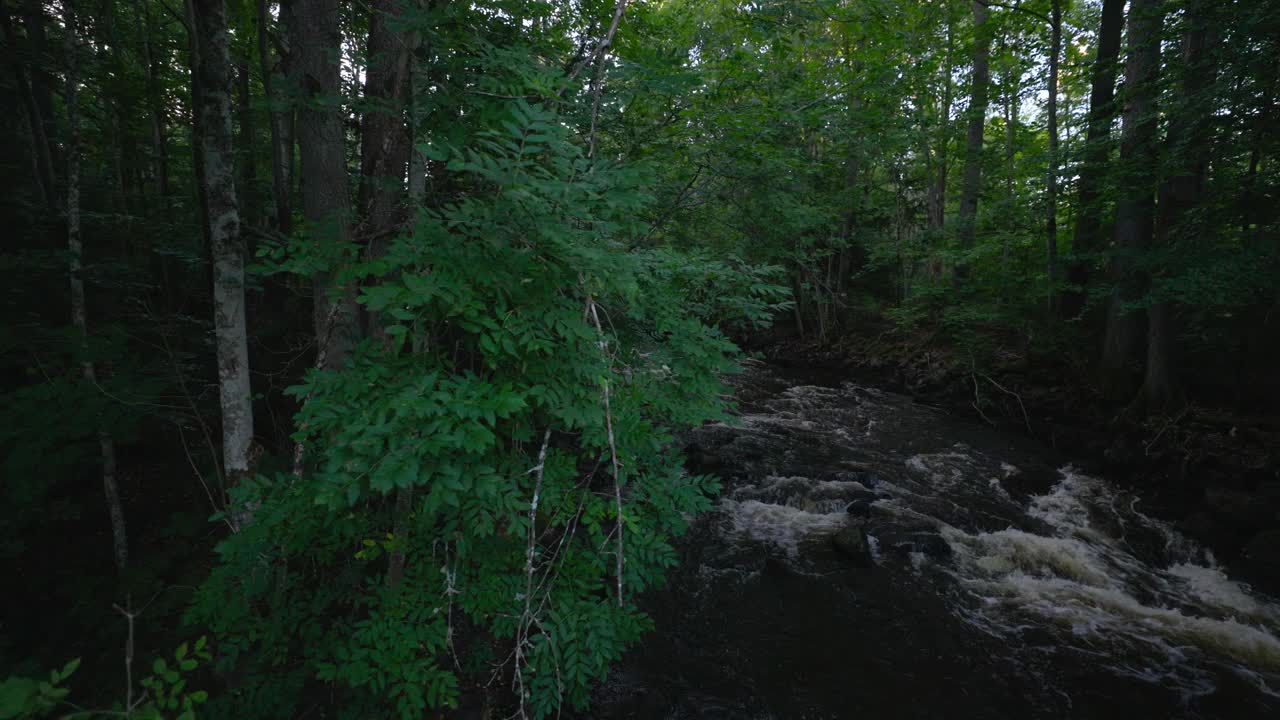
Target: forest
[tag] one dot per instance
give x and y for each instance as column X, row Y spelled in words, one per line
column 358, row 357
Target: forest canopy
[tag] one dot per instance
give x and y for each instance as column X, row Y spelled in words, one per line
column 348, row 346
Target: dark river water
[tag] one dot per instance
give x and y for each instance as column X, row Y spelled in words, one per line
column 976, row 575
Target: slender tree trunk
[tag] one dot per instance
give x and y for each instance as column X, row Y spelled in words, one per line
column 214, row 107
column 197, row 121
column 279, row 117
column 1187, row 147
column 937, row 206
column 978, row 92
column 155, row 101
column 79, row 312
column 249, row 213
column 1135, row 208
column 131, row 195
column 384, row 151
column 384, row 156
column 41, row 157
column 326, row 200
column 1051, row 186
column 42, row 85
column 1097, row 148
column 1010, row 150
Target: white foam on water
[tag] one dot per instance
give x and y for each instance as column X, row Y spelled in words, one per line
column 1088, row 584
column 1006, row 552
column 781, row 525
column 1211, row 587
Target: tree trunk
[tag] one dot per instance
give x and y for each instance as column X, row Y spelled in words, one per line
column 326, row 201
column 1187, row 146
column 41, row 157
column 384, row 160
column 978, row 91
column 155, row 101
column 1010, row 150
column 1097, row 148
column 279, row 117
column 1135, row 207
column 248, row 166
column 1051, row 186
column 197, row 122
column 79, row 313
column 227, row 248
column 937, row 207
column 384, row 151
column 120, row 101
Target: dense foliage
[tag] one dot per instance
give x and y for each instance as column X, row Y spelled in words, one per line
column 472, row 267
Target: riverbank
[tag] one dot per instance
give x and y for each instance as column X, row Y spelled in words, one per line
column 1214, row 471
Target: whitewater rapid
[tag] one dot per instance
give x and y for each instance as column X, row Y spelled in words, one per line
column 1001, row 581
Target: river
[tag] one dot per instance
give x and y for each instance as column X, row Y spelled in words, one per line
column 872, row 557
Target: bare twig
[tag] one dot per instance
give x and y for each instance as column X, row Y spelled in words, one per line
column 1025, row 417
column 129, row 616
column 200, row 476
column 597, row 83
column 1146, row 450
column 613, row 446
column 977, row 400
column 527, row 618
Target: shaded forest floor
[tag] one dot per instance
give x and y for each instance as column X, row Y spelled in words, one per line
column 1212, row 469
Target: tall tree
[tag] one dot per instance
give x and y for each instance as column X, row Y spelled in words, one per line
column 1097, row 147
column 937, row 199
column 41, row 154
column 156, row 107
column 1051, row 186
column 384, row 160
column 384, row 139
column 279, row 117
column 326, row 200
column 214, row 108
column 1187, row 144
column 978, row 91
column 75, row 251
column 1135, row 207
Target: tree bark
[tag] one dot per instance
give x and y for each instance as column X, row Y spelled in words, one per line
column 1097, row 147
column 79, row 312
column 155, row 101
column 248, row 166
column 326, row 200
column 384, row 160
column 197, row 122
column 978, row 92
column 1135, row 208
column 41, row 157
column 42, row 83
column 1051, row 185
column 384, row 151
column 937, row 205
column 227, row 248
column 279, row 117
column 1187, row 146
column 1010, row 102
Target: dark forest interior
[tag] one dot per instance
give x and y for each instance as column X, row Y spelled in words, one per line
column 640, row 359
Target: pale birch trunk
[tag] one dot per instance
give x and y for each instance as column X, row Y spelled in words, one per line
column 214, row 109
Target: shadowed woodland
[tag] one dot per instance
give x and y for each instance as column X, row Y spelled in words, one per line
column 349, row 348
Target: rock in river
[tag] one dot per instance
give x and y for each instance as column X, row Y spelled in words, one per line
column 852, row 542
